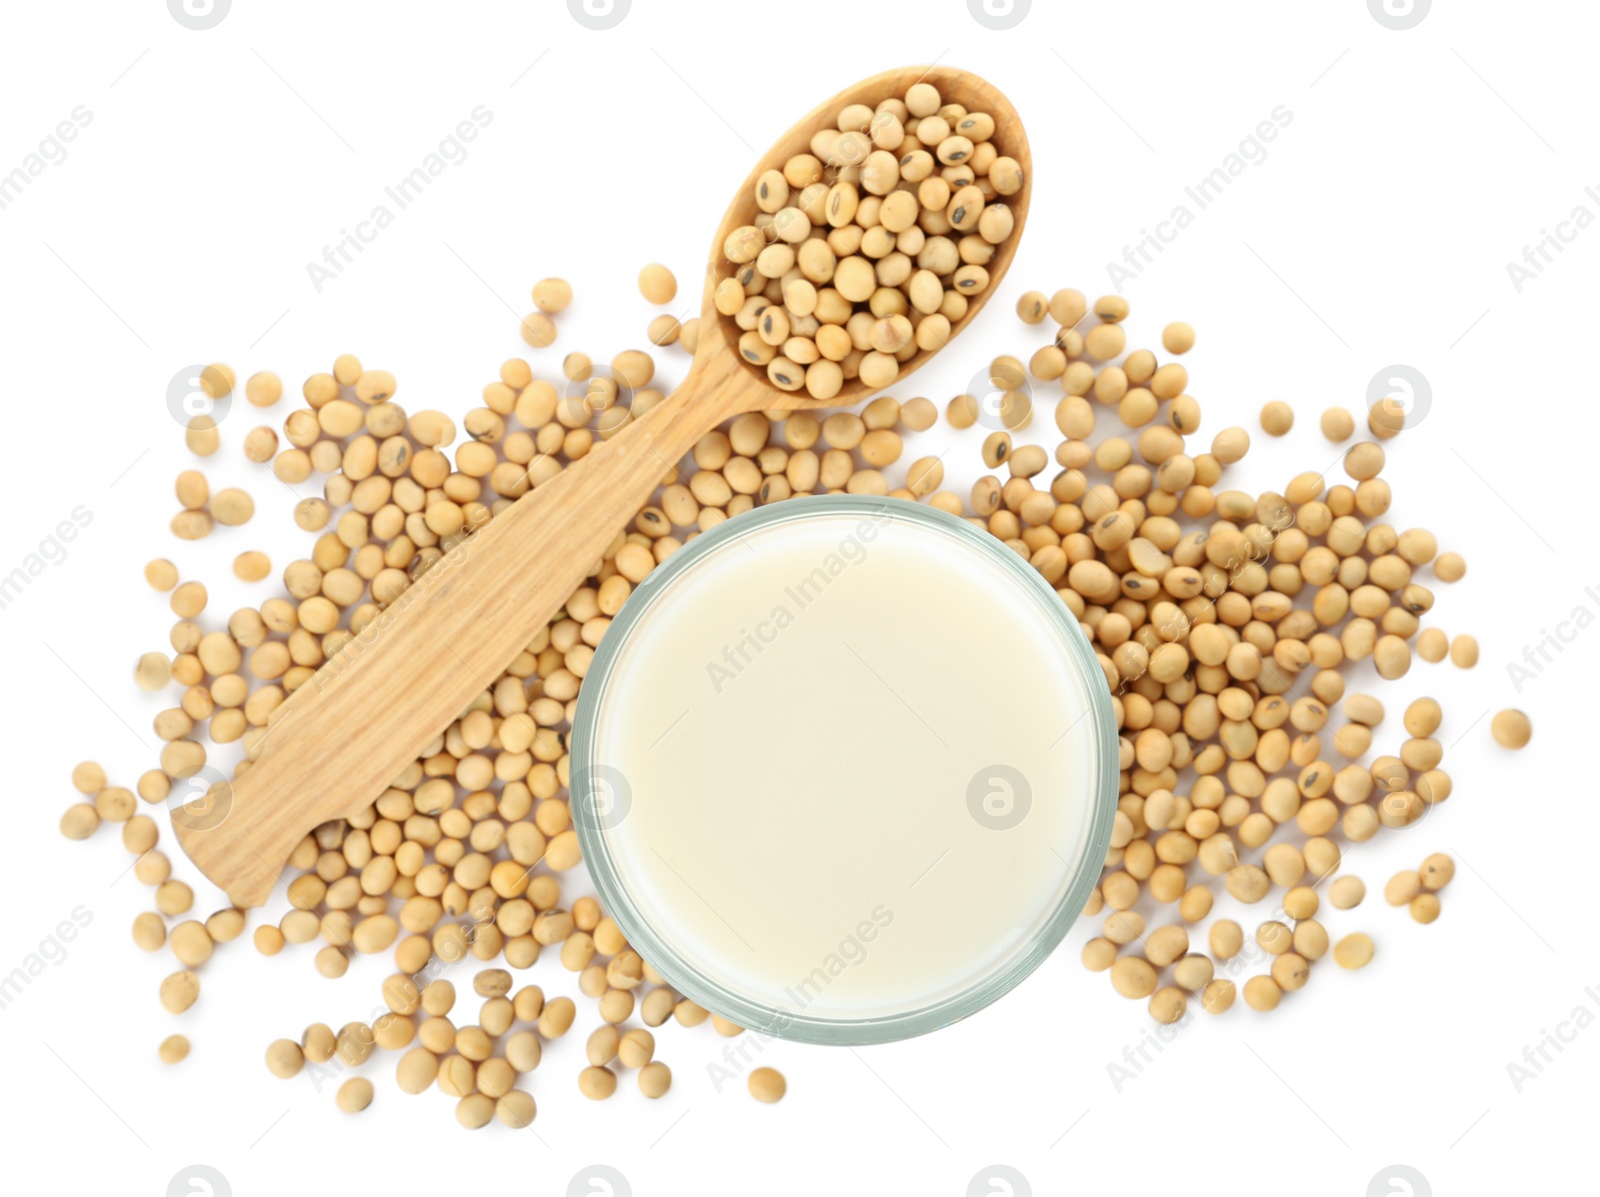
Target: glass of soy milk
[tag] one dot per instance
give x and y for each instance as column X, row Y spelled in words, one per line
column 844, row 769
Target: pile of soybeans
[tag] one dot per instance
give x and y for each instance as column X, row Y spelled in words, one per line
column 1223, row 619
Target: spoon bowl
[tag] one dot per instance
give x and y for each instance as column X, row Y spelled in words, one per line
column 955, row 87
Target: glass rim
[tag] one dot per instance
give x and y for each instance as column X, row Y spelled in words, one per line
column 774, row 1020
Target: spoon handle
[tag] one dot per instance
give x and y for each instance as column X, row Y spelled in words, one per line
column 347, row 733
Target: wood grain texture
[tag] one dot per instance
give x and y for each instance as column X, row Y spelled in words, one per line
column 342, row 738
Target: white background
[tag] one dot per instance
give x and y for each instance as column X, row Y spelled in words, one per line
column 1376, row 231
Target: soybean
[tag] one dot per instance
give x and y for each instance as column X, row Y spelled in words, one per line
column 1353, row 951
column 174, row 1049
column 1277, row 418
column 1511, row 729
column 767, row 1085
column 354, row 1095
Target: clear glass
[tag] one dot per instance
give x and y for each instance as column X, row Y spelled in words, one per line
column 597, row 810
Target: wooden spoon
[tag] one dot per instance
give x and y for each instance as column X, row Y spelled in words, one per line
column 344, row 736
